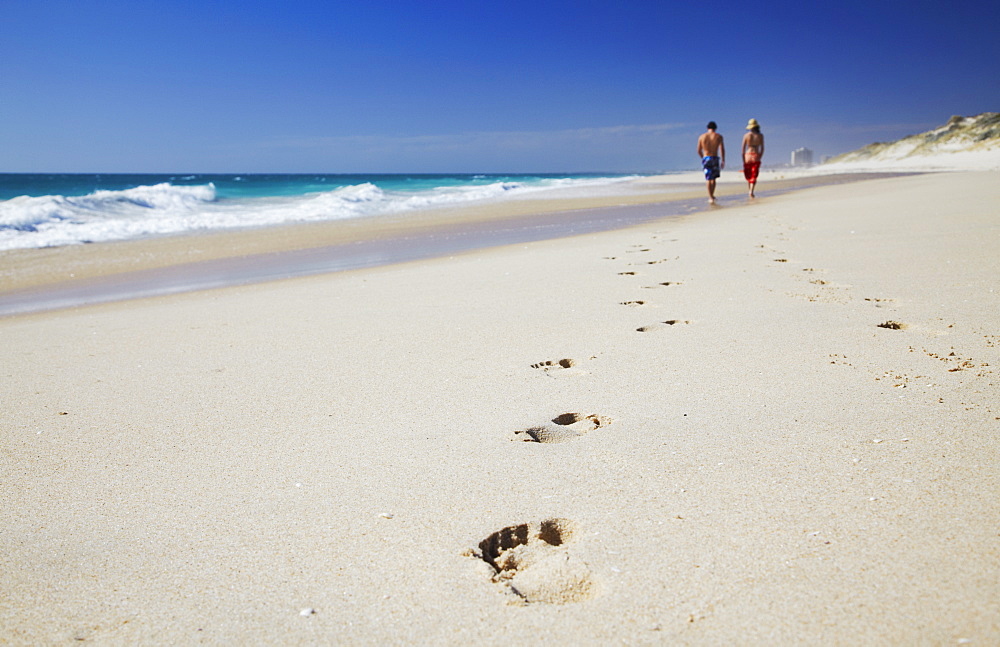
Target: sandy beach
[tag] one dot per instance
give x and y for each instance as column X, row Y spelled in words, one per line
column 37, row 279
column 768, row 423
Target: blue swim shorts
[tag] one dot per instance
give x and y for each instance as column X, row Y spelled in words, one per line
column 711, row 165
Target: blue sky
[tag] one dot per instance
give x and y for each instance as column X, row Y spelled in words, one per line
column 446, row 86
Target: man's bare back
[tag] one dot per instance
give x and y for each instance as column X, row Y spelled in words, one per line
column 710, row 143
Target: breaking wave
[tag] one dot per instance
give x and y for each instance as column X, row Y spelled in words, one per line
column 165, row 208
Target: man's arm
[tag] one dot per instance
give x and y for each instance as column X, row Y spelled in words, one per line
column 722, row 151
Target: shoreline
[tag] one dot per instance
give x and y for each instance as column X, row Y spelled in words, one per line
column 35, row 280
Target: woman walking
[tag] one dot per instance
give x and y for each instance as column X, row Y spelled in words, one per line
column 753, row 151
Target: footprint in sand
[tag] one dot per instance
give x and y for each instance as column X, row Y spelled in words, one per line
column 626, row 273
column 633, row 304
column 881, row 303
column 661, row 325
column 565, row 367
column 661, row 285
column 560, row 367
column 532, row 562
column 555, row 364
column 563, row 428
column 892, row 325
column 662, row 260
column 822, row 290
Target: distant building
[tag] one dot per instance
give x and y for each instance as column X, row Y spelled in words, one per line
column 802, row 157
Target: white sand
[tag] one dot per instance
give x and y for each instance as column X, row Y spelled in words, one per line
column 964, row 160
column 318, row 460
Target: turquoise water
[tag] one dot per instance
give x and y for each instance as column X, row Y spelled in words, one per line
column 44, row 210
column 258, row 185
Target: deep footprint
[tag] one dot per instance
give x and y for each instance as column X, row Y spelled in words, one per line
column 564, row 427
column 531, row 562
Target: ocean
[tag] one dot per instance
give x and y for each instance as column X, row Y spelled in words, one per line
column 47, row 210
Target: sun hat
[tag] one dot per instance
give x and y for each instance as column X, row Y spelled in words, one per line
column 752, row 124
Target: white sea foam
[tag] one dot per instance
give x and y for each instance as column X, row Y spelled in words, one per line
column 47, row 221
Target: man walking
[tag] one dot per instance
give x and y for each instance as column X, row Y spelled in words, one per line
column 712, row 151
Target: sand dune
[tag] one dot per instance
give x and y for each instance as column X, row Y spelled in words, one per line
column 964, row 143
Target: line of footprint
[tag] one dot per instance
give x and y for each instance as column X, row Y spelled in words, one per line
column 532, row 562
column 642, row 249
column 953, row 360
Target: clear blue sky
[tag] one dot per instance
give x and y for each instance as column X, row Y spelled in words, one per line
column 442, row 86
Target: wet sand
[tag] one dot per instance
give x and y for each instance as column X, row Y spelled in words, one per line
column 44, row 279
